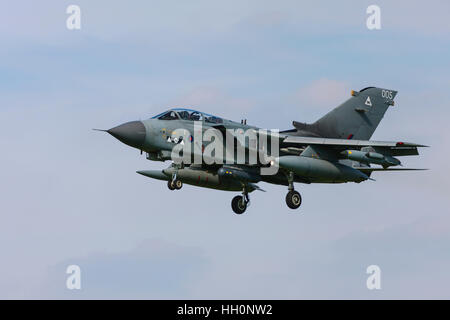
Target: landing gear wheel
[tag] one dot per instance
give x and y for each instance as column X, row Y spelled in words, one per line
column 177, row 184
column 293, row 199
column 170, row 185
column 238, row 204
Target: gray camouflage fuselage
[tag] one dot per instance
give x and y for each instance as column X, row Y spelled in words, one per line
column 334, row 149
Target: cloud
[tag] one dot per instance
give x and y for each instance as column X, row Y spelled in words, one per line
column 154, row 269
column 322, row 94
column 413, row 258
column 213, row 100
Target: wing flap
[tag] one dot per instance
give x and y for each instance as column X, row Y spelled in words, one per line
column 347, row 142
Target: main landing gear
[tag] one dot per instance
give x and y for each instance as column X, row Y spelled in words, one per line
column 239, row 203
column 293, row 198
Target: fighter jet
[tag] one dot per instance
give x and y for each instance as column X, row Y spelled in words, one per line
column 334, row 149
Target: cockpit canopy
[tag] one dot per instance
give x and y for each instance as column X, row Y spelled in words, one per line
column 187, row 114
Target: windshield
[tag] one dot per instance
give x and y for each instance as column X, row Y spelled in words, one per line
column 169, row 115
column 187, row 114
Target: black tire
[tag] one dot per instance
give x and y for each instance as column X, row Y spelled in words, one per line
column 238, row 205
column 177, row 184
column 293, row 199
column 170, row 185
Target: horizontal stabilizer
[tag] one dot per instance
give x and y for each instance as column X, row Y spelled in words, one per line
column 369, row 169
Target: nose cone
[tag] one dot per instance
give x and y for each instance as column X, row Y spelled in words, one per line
column 131, row 133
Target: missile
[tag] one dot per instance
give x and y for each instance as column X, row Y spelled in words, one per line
column 239, row 174
column 155, row 174
column 370, row 157
column 321, row 169
column 197, row 177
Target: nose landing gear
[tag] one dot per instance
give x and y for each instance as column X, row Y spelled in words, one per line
column 174, row 184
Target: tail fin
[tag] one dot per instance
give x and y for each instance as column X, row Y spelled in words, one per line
column 358, row 117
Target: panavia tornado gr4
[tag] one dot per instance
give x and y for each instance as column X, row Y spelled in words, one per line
column 212, row 152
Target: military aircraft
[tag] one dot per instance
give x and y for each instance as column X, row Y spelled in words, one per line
column 334, row 149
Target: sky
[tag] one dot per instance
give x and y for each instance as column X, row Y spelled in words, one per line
column 70, row 195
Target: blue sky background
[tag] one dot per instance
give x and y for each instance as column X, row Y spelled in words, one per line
column 70, row 195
